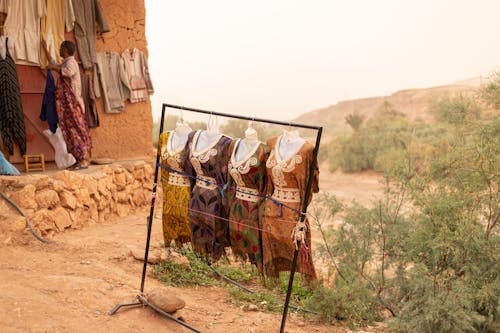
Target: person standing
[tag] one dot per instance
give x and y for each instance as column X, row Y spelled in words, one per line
column 70, row 106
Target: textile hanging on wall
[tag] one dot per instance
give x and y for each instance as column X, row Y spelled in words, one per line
column 88, row 14
column 23, row 25
column 88, row 95
column 209, row 233
column 176, row 194
column 11, row 109
column 59, row 13
column 62, row 157
column 248, row 176
column 48, row 112
column 110, row 73
column 137, row 75
column 287, row 181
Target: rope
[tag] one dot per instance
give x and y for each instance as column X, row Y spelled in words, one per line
column 28, row 224
column 223, row 187
column 229, row 220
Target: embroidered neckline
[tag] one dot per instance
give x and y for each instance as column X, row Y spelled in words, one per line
column 246, row 157
column 170, row 148
column 277, row 152
column 204, row 150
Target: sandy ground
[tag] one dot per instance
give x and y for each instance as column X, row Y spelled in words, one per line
column 70, row 284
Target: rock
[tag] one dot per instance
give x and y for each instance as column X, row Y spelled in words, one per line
column 119, row 179
column 139, row 174
column 68, row 200
column 80, row 217
column 94, row 213
column 122, row 197
column 153, row 256
column 71, row 180
column 122, row 210
column 44, row 221
column 61, row 218
column 82, row 197
column 177, row 259
column 139, row 198
column 42, row 182
column 90, row 184
column 47, row 198
column 148, row 170
column 56, row 185
column 107, row 170
column 16, row 223
column 25, row 198
column 165, row 300
column 252, row 307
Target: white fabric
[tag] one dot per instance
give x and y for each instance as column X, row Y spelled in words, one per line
column 245, row 149
column 69, row 15
column 62, row 157
column 207, row 139
column 23, row 24
column 180, row 135
column 4, row 6
column 289, row 145
column 10, row 45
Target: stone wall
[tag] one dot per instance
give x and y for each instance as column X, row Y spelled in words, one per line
column 71, row 200
column 128, row 134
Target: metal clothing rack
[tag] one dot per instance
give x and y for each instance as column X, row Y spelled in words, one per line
column 141, row 300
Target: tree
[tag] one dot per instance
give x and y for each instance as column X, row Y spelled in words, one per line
column 354, row 120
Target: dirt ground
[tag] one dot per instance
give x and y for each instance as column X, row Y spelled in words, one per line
column 70, row 284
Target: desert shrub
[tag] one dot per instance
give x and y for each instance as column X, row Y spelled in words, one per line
column 455, row 110
column 427, row 252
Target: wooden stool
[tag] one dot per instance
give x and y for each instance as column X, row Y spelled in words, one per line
column 34, row 163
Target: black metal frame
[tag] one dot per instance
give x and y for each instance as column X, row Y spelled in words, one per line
column 141, row 299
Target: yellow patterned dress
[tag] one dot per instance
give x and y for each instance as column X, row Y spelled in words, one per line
column 176, row 194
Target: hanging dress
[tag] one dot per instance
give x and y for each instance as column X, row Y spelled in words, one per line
column 176, row 194
column 208, row 213
column 287, row 181
column 245, row 189
column 11, row 108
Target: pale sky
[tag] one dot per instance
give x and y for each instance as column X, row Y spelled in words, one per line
column 278, row 59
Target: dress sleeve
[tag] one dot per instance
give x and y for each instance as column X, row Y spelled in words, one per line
column 100, row 19
column 303, row 173
column 263, row 156
column 162, row 146
column 97, row 86
column 269, row 188
column 185, row 161
column 145, row 74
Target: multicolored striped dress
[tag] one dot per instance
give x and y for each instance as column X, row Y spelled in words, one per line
column 246, row 186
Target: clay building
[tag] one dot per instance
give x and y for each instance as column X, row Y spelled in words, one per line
column 120, row 136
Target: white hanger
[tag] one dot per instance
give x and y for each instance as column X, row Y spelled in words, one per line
column 251, row 135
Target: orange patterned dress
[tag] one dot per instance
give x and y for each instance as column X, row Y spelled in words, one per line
column 176, row 194
column 287, row 181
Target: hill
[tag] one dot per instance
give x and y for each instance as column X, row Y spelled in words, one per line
column 414, row 103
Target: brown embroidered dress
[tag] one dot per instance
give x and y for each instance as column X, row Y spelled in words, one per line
column 208, row 214
column 246, row 185
column 176, row 194
column 287, row 179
